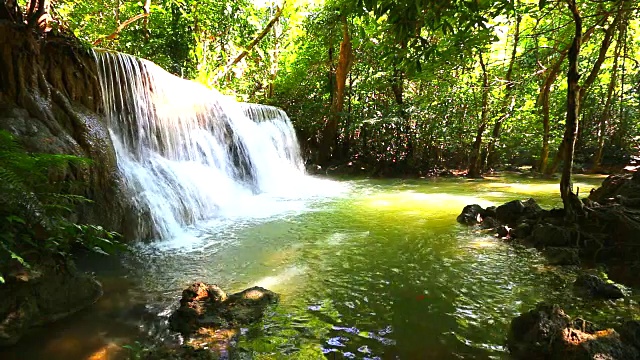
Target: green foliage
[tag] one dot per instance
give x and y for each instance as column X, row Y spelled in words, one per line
column 424, row 50
column 35, row 206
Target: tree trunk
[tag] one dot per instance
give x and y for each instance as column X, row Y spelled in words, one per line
column 38, row 14
column 509, row 99
column 273, row 72
column 345, row 60
column 572, row 204
column 474, row 164
column 145, row 23
column 593, row 75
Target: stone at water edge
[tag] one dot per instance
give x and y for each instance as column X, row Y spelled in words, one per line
column 209, row 307
column 594, row 286
column 546, row 332
column 489, row 223
column 545, row 235
column 510, row 212
column 521, row 231
column 503, row 231
column 471, row 215
column 562, row 256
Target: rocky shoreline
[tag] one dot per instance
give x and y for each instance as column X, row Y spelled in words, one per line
column 608, row 233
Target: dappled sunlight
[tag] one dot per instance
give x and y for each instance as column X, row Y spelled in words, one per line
column 107, row 352
column 284, row 282
column 480, row 244
column 421, row 204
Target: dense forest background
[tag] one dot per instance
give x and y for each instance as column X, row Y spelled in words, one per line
column 401, row 87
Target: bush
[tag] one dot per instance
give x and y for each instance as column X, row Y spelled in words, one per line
column 36, row 204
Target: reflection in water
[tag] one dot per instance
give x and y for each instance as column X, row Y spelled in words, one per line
column 382, row 272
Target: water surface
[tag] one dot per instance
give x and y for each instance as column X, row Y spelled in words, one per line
column 380, row 269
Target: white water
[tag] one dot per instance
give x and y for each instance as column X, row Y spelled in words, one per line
column 189, row 153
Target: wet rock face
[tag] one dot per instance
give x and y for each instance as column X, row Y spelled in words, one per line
column 208, row 306
column 546, row 332
column 594, row 286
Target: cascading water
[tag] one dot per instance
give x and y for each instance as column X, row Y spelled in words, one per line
column 189, row 153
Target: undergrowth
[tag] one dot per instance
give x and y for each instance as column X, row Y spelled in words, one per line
column 36, row 205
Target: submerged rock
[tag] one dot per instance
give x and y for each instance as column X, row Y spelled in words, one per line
column 209, row 307
column 594, row 286
column 45, row 293
column 546, row 332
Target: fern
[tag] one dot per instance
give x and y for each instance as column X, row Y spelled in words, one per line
column 34, row 209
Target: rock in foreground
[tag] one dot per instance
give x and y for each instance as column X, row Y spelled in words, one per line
column 594, row 286
column 209, row 307
column 42, row 294
column 546, row 332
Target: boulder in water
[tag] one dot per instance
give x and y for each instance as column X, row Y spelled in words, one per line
column 562, row 256
column 521, row 231
column 208, row 306
column 546, row 332
column 510, row 212
column 545, row 235
column 503, row 231
column 594, row 286
column 489, row 223
column 471, row 215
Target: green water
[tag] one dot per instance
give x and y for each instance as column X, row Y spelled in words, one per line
column 381, row 271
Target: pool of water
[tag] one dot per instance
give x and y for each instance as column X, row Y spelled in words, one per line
column 380, row 270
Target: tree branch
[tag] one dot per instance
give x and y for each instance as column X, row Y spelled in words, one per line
column 120, row 28
column 253, row 43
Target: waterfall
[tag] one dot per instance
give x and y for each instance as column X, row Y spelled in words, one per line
column 188, row 152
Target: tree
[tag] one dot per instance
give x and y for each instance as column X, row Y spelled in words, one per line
column 572, row 205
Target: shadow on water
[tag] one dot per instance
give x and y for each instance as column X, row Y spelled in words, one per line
column 382, row 271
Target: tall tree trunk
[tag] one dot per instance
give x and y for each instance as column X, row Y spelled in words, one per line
column 572, row 204
column 593, row 75
column 330, row 131
column 474, row 163
column 509, row 100
column 273, row 72
column 397, row 86
column 606, row 111
column 146, row 8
